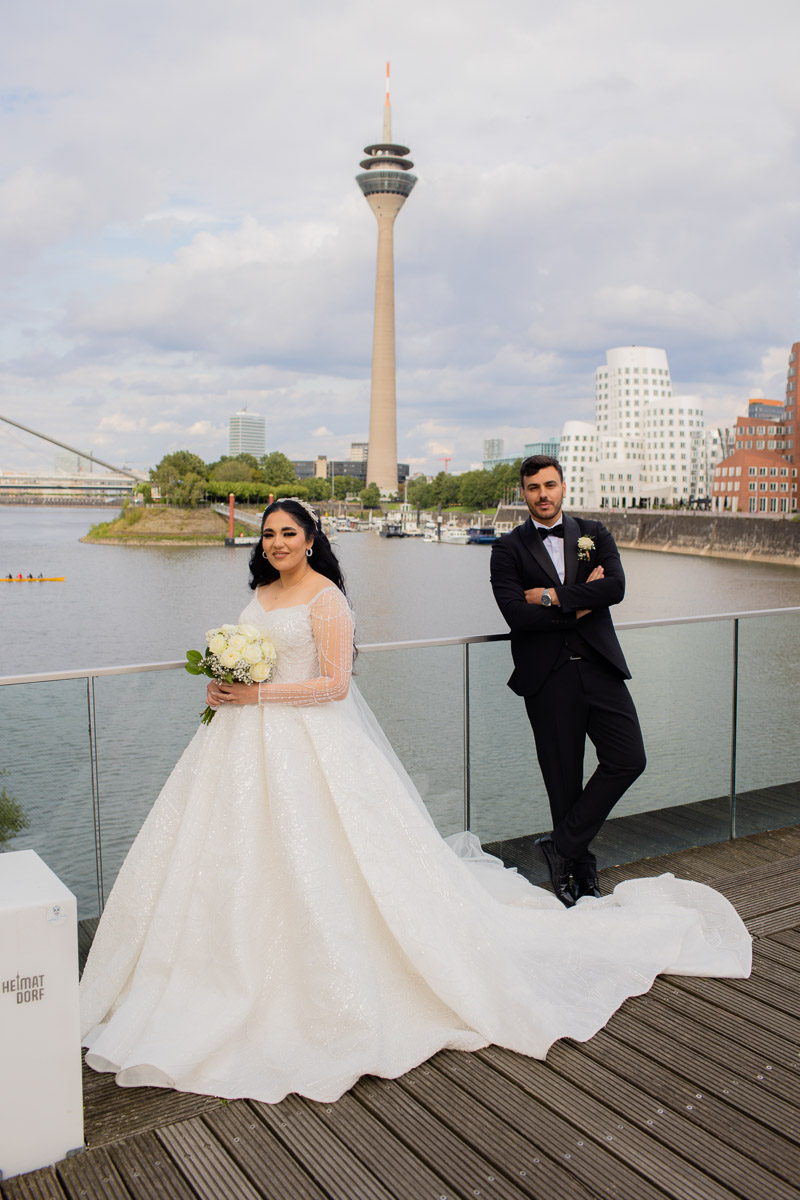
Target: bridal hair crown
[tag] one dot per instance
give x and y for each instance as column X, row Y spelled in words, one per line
column 303, row 504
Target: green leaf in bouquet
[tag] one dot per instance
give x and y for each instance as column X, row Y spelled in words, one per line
column 192, row 669
column 194, row 656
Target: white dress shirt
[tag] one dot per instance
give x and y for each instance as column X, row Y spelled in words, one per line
column 554, row 547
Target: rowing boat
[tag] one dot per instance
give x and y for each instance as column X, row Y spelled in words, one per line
column 35, row 579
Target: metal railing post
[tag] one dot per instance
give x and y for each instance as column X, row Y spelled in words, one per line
column 98, row 840
column 734, row 726
column 467, row 802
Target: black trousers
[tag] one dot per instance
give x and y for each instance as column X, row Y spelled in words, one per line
column 584, row 699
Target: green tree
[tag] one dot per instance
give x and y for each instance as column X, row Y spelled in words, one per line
column 173, row 470
column 344, row 485
column 233, row 471
column 370, row 496
column 445, row 489
column 13, row 818
column 242, row 467
column 289, row 490
column 505, row 478
column 318, row 489
column 277, row 470
column 420, row 492
column 476, row 489
column 189, row 490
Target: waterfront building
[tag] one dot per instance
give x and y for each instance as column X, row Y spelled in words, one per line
column 18, row 487
column 638, row 451
column 247, row 434
column 709, row 447
column 386, row 184
column 358, row 451
column 792, row 403
column 755, row 481
column 577, row 454
column 759, row 475
column 769, row 410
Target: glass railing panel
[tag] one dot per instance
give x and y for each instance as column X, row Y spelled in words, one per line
column 767, row 758
column 416, row 696
column 44, row 753
column 144, row 722
column 682, row 685
column 508, row 799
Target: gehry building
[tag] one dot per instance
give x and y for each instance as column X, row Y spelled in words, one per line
column 638, row 451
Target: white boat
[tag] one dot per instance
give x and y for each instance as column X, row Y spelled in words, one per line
column 455, row 535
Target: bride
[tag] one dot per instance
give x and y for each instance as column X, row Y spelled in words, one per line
column 289, row 919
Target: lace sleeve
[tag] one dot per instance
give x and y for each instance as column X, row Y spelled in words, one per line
column 332, row 626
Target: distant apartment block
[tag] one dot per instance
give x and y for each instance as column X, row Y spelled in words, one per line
column 551, row 448
column 492, row 450
column 247, row 434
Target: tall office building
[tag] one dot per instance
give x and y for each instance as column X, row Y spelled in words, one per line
column 386, row 183
column 247, row 434
column 492, row 449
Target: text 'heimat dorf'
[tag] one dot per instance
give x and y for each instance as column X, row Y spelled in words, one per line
column 26, row 988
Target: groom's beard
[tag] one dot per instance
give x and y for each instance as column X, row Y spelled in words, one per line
column 550, row 513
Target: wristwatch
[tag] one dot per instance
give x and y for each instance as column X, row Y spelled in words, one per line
column 547, row 599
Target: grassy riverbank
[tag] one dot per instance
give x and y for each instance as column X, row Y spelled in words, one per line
column 153, row 525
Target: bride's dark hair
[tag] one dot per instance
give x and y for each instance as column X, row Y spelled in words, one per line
column 322, row 558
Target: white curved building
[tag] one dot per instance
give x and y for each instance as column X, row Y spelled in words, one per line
column 642, row 436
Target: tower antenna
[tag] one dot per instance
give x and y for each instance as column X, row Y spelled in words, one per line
column 387, row 112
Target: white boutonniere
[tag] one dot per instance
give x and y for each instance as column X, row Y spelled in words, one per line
column 585, row 547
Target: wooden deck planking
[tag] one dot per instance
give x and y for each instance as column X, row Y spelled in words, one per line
column 691, row 1092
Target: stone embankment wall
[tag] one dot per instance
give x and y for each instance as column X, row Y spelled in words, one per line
column 760, row 539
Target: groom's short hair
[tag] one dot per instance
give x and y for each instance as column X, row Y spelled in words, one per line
column 537, row 463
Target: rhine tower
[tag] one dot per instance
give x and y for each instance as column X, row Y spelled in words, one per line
column 385, row 183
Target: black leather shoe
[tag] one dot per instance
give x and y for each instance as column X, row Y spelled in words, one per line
column 558, row 869
column 587, row 885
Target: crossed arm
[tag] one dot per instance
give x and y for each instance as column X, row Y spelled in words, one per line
column 522, row 608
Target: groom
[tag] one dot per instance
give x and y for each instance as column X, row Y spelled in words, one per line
column 554, row 579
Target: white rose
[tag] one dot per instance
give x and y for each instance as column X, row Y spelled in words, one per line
column 229, row 628
column 237, row 643
column 212, row 633
column 585, row 543
column 252, row 652
column 216, row 642
column 268, row 650
column 249, row 631
column 260, row 672
column 229, row 658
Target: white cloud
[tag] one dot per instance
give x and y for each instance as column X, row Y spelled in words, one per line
column 181, row 233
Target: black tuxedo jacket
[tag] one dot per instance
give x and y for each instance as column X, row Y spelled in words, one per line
column 520, row 561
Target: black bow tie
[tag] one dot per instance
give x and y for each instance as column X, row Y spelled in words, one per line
column 554, row 531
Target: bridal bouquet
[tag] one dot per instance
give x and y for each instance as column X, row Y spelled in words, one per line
column 235, row 654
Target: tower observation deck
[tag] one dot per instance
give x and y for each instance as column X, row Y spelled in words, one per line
column 386, row 183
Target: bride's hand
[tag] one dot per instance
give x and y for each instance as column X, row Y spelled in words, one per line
column 232, row 693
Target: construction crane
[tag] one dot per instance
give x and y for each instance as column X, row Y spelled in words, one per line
column 445, row 458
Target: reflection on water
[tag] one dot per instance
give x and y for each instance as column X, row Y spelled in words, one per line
column 123, row 604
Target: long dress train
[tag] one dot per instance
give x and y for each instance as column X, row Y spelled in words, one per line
column 288, row 919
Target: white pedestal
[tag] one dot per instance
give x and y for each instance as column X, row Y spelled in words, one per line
column 41, row 1106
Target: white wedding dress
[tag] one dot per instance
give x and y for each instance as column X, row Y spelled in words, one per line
column 289, row 919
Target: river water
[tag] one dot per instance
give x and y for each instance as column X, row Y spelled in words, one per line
column 121, row 605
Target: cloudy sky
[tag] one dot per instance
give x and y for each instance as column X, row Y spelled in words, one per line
column 181, row 234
